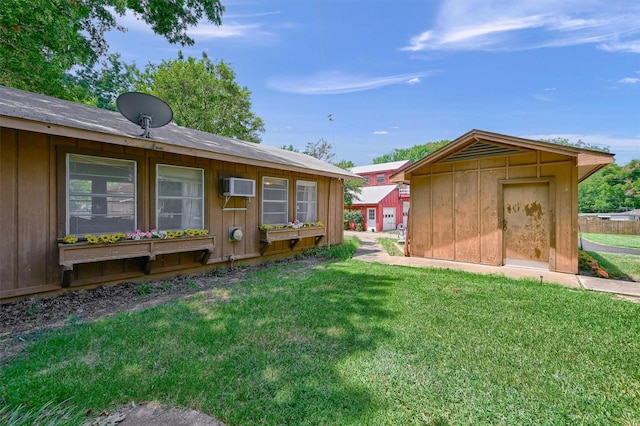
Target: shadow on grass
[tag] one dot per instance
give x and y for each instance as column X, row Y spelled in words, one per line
column 273, row 350
column 612, row 269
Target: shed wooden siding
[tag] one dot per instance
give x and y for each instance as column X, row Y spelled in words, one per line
column 32, row 202
column 456, row 209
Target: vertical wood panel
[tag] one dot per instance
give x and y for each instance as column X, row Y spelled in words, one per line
column 420, row 213
column 565, row 245
column 8, row 209
column 490, row 228
column 467, row 247
column 442, row 203
column 33, row 208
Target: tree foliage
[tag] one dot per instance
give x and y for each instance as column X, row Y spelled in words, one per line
column 203, row 95
column 323, row 150
column 613, row 189
column 42, row 41
column 108, row 80
column 415, row 153
column 579, row 144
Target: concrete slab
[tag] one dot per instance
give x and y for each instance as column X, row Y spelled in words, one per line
column 371, row 251
column 626, row 288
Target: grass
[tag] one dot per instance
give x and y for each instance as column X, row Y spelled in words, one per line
column 616, row 240
column 354, row 343
column 389, row 244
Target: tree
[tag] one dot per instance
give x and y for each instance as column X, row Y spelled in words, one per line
column 42, row 41
column 579, row 144
column 351, row 187
column 612, row 189
column 105, row 82
column 415, row 153
column 323, row 150
column 203, row 95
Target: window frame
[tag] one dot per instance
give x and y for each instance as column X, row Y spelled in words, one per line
column 380, row 179
column 158, row 197
column 65, row 181
column 313, row 184
column 285, row 201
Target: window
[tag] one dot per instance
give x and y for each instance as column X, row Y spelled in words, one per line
column 366, row 180
column 101, row 195
column 179, row 197
column 380, row 178
column 275, row 201
column 306, row 201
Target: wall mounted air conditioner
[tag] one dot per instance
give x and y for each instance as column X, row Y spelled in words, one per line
column 237, row 187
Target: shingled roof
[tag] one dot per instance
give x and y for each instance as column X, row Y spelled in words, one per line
column 30, row 111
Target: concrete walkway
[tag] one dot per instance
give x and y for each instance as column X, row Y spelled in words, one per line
column 371, row 251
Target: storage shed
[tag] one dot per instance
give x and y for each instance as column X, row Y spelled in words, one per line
column 499, row 200
column 180, row 201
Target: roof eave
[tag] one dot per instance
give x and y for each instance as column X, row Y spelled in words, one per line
column 151, row 144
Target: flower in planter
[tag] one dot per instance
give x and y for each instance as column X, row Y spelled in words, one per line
column 92, row 239
column 70, row 239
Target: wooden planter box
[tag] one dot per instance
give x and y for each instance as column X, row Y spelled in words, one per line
column 293, row 235
column 73, row 254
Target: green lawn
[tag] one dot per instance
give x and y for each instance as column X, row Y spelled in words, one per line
column 616, row 240
column 390, row 245
column 353, row 343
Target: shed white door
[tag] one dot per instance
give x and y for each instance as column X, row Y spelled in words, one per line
column 389, row 218
column 526, row 225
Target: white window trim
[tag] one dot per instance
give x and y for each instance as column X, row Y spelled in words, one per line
column 202, row 203
column 68, row 185
column 285, row 202
column 315, row 202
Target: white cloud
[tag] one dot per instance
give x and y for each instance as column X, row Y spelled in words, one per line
column 629, row 80
column 509, row 25
column 414, row 80
column 380, row 132
column 328, row 83
column 205, row 30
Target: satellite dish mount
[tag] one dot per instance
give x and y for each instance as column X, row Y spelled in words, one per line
column 144, row 110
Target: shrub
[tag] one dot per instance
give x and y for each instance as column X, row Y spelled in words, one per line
column 353, row 216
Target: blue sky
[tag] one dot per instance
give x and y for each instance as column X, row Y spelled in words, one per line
column 397, row 73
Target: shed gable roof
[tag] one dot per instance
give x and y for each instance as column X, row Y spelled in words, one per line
column 477, row 144
column 30, row 111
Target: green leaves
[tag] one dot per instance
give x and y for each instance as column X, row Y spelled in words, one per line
column 612, row 189
column 205, row 96
column 41, row 41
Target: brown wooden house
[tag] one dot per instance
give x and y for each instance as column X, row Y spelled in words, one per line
column 499, row 200
column 68, row 170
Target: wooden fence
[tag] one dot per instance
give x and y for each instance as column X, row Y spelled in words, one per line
column 595, row 226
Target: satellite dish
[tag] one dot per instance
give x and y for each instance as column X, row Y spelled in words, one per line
column 145, row 110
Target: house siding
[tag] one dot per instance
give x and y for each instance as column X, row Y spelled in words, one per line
column 32, row 206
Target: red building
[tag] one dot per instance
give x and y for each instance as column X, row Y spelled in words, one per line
column 384, row 204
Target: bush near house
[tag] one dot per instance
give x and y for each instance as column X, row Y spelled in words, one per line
column 353, row 220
